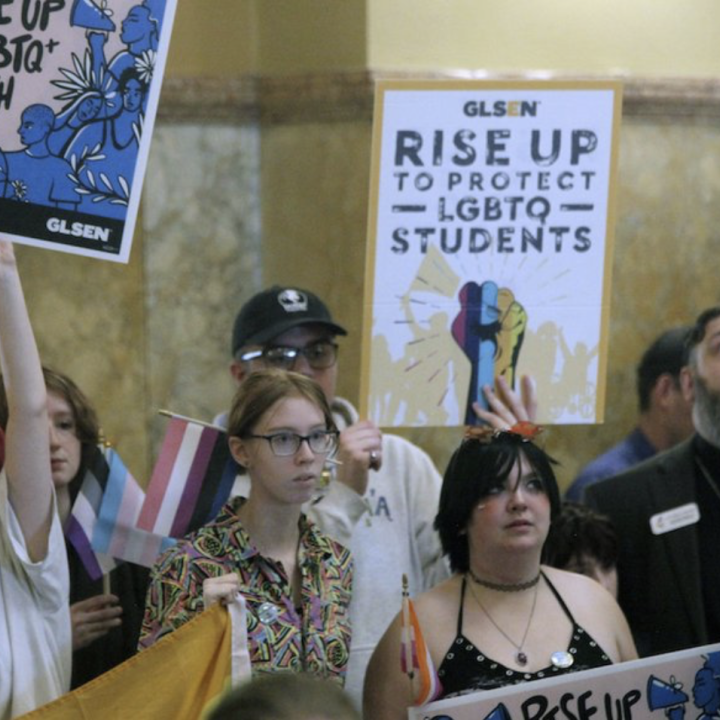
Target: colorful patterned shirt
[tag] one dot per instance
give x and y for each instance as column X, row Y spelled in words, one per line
column 314, row 638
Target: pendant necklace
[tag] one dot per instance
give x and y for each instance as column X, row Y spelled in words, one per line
column 520, row 657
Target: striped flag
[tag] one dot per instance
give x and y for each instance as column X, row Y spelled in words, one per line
column 120, row 507
column 414, row 655
column 192, row 479
column 108, row 497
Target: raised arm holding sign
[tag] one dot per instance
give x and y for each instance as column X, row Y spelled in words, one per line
column 35, row 641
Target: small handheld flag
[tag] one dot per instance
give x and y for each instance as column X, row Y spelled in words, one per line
column 109, row 499
column 414, row 655
column 192, row 479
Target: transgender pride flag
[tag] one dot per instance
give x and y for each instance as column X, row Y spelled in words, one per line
column 191, row 481
column 109, row 500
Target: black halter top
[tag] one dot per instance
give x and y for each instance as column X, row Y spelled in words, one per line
column 465, row 668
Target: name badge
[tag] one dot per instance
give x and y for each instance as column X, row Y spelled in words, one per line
column 675, row 519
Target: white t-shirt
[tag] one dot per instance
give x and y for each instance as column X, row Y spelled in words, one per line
column 35, row 632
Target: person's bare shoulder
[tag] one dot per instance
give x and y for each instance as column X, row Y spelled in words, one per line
column 437, row 611
column 595, row 610
column 576, row 589
column 439, row 596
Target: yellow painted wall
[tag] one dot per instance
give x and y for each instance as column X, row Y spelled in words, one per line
column 645, row 37
column 213, row 38
column 665, row 38
column 226, row 38
column 301, row 36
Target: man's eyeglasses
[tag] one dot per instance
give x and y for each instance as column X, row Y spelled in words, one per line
column 320, row 356
column 283, row 444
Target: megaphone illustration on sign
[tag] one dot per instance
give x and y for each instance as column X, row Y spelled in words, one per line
column 499, row 713
column 86, row 14
column 662, row 695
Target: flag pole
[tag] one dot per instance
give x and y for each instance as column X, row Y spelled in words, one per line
column 407, row 639
column 106, row 585
column 168, row 413
column 407, row 649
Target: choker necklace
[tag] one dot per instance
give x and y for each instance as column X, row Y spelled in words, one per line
column 520, row 657
column 510, row 587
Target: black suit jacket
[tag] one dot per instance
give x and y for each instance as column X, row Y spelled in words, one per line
column 659, row 586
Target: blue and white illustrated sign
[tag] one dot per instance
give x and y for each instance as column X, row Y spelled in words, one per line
column 79, row 88
column 684, row 685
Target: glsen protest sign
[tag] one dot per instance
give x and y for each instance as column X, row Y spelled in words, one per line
column 676, row 685
column 490, row 247
column 79, row 88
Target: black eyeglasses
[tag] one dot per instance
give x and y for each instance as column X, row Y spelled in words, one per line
column 320, row 355
column 283, row 444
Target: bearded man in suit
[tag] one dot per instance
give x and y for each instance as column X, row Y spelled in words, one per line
column 667, row 515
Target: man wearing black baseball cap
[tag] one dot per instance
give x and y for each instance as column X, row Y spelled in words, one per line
column 384, row 494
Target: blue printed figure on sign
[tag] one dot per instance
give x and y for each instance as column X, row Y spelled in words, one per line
column 3, row 173
column 77, row 114
column 104, row 152
column 34, row 174
column 140, row 32
column 669, row 696
column 706, row 690
column 489, row 328
column 475, row 330
column 87, row 97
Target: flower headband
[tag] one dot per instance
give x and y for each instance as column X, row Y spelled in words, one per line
column 524, row 430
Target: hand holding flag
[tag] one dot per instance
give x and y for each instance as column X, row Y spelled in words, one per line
column 414, row 655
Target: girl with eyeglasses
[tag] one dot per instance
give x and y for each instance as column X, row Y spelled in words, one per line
column 296, row 581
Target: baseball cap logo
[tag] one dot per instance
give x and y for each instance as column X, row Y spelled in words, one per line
column 293, row 301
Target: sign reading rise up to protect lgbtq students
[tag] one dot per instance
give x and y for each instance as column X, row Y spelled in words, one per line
column 79, row 88
column 679, row 685
column 490, row 247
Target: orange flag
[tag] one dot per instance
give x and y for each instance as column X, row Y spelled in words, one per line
column 175, row 678
column 414, row 655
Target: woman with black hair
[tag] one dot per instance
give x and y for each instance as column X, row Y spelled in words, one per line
column 502, row 618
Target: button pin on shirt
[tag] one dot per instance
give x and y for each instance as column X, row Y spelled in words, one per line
column 268, row 613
